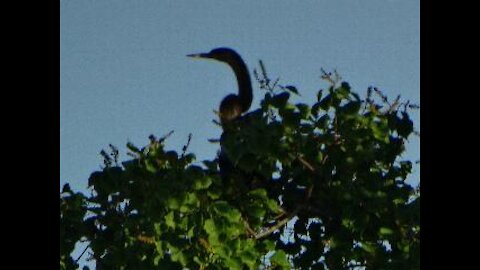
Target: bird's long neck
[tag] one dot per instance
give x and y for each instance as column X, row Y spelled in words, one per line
column 244, row 85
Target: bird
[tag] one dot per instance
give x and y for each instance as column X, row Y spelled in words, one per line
column 233, row 105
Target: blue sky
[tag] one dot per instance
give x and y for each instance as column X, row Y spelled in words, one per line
column 124, row 74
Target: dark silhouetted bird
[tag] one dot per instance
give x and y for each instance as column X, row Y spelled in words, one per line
column 233, row 105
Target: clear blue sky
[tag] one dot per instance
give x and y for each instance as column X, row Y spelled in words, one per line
column 124, row 74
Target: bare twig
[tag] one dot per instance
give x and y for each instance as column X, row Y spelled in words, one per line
column 154, row 141
column 249, row 229
column 310, row 166
column 304, row 162
column 275, row 83
column 162, row 139
column 282, row 214
column 83, row 252
column 185, row 147
column 204, row 243
column 394, row 105
column 279, row 224
column 324, row 159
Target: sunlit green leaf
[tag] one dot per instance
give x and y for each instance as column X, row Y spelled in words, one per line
column 385, row 231
column 304, row 110
column 202, row 183
column 169, row 220
column 280, row 259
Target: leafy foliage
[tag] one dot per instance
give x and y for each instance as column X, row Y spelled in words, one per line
column 320, row 187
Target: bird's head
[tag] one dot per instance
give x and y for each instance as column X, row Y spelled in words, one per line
column 221, row 54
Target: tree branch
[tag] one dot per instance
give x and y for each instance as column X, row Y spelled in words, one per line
column 249, row 229
column 279, row 224
column 287, row 219
column 306, row 164
column 83, row 252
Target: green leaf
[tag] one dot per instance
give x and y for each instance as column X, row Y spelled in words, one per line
column 273, row 205
column 345, row 86
column 171, row 156
column 348, row 223
column 319, row 95
column 209, row 226
column 173, row 203
column 66, row 188
column 258, row 193
column 177, row 255
column 133, row 148
column 191, row 232
column 192, row 199
column 351, row 108
column 323, row 122
column 169, row 220
column 190, row 157
column 157, row 259
column 202, row 183
column 256, row 211
column 233, row 263
column 150, row 166
column 405, row 126
column 304, row 110
column 315, row 109
column 368, row 247
column 213, row 233
column 356, row 96
column 385, row 231
column 292, row 89
column 268, row 244
column 227, row 211
column 280, row 100
column 185, row 208
column 214, row 193
column 380, row 131
column 326, row 102
column 280, row 259
column 343, row 91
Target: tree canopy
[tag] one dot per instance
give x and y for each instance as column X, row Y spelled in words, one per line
column 319, row 186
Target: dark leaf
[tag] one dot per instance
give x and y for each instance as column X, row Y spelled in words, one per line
column 292, row 89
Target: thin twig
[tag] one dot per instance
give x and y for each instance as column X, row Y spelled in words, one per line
column 304, row 162
column 185, row 147
column 283, row 213
column 310, row 166
column 162, row 139
column 214, row 140
column 249, row 229
column 279, row 224
column 83, row 252
column 324, row 159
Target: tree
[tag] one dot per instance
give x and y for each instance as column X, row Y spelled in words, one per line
column 313, row 187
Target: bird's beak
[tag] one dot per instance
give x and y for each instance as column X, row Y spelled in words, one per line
column 199, row 55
